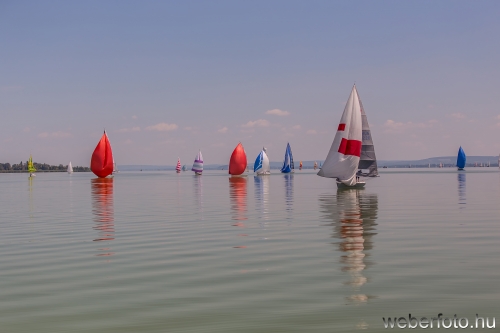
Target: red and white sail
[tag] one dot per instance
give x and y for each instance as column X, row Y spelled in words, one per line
column 343, row 158
column 178, row 166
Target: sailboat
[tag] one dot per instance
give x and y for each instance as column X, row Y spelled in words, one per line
column 315, row 165
column 70, row 167
column 288, row 161
column 300, row 165
column 198, row 164
column 343, row 158
column 367, row 166
column 101, row 162
column 261, row 165
column 178, row 166
column 184, row 167
column 31, row 167
column 238, row 161
column 461, row 158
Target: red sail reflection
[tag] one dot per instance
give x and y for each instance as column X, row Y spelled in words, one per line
column 102, row 209
column 238, row 196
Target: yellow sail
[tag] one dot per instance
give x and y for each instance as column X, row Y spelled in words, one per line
column 31, row 167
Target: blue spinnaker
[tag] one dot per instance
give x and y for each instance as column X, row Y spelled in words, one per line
column 461, row 158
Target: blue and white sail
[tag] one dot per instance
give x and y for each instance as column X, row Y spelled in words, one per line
column 288, row 162
column 261, row 165
column 461, row 158
column 198, row 164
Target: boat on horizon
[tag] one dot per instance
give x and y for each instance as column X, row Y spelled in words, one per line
column 31, row 167
column 70, row 168
column 288, row 161
column 178, row 166
column 300, row 165
column 198, row 164
column 461, row 158
column 342, row 161
column 261, row 165
column 238, row 161
column 315, row 165
column 102, row 159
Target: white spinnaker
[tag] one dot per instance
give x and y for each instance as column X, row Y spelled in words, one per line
column 266, row 169
column 341, row 163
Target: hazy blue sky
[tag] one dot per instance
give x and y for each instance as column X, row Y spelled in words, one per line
column 166, row 78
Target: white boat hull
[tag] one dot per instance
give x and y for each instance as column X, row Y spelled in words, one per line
column 358, row 185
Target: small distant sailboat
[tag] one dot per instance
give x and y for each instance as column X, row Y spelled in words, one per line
column 238, row 161
column 288, row 161
column 184, row 167
column 178, row 167
column 70, row 168
column 315, row 165
column 343, row 158
column 198, row 164
column 461, row 158
column 261, row 165
column 300, row 165
column 31, row 167
column 101, row 162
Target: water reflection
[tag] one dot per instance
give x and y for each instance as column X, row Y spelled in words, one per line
column 238, row 197
column 198, row 195
column 262, row 195
column 102, row 209
column 461, row 189
column 353, row 215
column 289, row 191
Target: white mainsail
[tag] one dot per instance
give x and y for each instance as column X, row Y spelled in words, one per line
column 343, row 158
column 70, row 167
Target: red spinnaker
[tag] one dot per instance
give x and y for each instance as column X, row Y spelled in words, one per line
column 101, row 163
column 238, row 162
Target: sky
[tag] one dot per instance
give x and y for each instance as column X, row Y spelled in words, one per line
column 166, row 78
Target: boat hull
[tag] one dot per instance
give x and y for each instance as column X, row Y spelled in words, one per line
column 358, row 185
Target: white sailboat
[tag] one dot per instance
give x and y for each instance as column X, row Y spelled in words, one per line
column 261, row 165
column 343, row 158
column 198, row 164
column 70, row 168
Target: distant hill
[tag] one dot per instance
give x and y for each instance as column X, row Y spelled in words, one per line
column 433, row 161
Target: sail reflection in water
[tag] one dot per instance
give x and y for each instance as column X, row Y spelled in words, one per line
column 198, row 195
column 238, row 197
column 461, row 189
column 262, row 196
column 353, row 215
column 102, row 209
column 289, row 191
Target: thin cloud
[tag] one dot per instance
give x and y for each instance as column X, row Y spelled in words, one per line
column 126, row 130
column 162, row 127
column 54, row 135
column 312, row 132
column 458, row 115
column 296, row 127
column 223, row 130
column 278, row 112
column 26, row 129
column 392, row 126
column 134, row 117
column 257, row 123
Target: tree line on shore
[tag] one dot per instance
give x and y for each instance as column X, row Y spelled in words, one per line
column 7, row 167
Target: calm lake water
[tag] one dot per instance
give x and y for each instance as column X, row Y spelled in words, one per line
column 166, row 252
